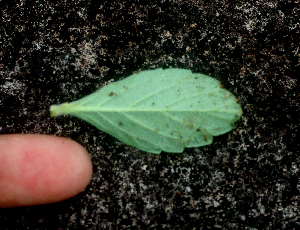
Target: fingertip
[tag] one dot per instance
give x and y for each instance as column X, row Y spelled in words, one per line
column 41, row 169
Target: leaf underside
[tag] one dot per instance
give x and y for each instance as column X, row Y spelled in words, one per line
column 159, row 110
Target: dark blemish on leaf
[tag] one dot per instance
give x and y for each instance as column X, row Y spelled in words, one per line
column 198, row 130
column 111, row 94
column 196, row 77
column 226, row 96
column 205, row 138
column 120, row 123
column 190, row 126
column 153, row 103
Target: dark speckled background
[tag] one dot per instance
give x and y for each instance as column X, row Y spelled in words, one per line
column 57, row 51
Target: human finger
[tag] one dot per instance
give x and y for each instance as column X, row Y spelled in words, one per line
column 41, row 169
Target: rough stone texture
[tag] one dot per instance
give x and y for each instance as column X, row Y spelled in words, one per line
column 57, row 51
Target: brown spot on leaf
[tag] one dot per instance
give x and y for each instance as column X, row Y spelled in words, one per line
column 205, row 138
column 190, row 126
column 111, row 94
column 120, row 123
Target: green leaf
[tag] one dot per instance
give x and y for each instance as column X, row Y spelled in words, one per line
column 159, row 110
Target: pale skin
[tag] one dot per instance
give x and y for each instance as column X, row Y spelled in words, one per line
column 41, row 169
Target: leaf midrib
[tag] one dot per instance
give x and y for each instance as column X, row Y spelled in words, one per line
column 80, row 108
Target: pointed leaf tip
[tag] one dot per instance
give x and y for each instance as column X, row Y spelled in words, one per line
column 159, row 110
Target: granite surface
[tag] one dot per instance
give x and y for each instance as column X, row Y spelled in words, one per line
column 58, row 51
